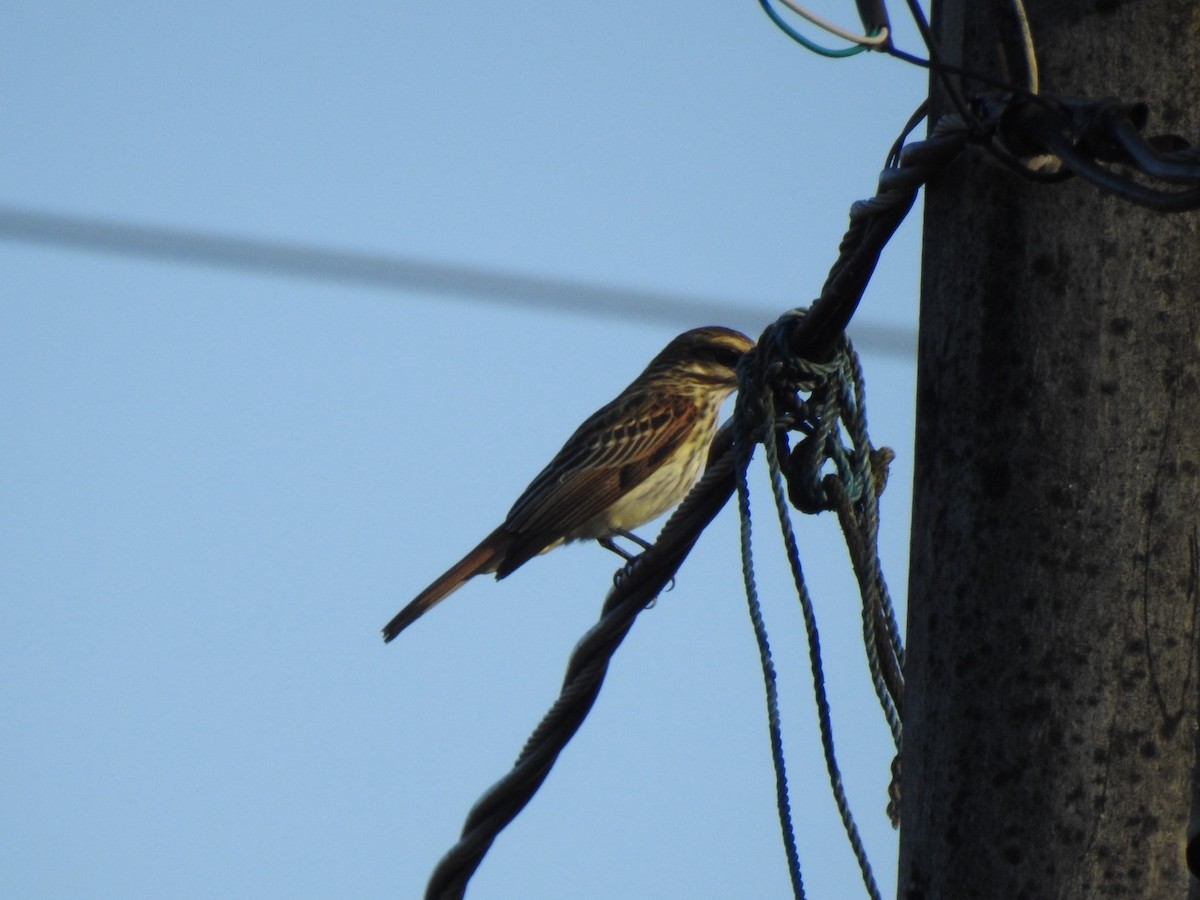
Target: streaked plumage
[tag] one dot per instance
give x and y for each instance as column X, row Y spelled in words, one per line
column 628, row 463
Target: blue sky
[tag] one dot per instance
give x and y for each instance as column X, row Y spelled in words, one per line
column 219, row 485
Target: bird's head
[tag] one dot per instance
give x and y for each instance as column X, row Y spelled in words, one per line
column 707, row 356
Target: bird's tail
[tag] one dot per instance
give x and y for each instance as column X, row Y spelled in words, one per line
column 484, row 558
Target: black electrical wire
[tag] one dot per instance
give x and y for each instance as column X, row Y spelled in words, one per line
column 400, row 274
column 1179, row 167
column 952, row 91
column 1078, row 132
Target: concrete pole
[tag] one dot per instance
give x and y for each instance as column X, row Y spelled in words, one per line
column 1051, row 708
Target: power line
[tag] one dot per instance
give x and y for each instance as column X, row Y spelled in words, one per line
column 397, row 273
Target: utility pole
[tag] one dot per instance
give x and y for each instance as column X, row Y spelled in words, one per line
column 1052, row 685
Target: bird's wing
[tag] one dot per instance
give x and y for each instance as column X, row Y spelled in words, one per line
column 611, row 453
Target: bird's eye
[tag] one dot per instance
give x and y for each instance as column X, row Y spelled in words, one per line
column 727, row 357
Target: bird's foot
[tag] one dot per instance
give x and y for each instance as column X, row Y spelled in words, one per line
column 631, row 559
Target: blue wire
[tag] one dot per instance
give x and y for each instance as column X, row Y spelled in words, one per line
column 802, row 40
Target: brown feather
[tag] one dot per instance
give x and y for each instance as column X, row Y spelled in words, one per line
column 591, row 474
column 482, row 559
column 601, row 462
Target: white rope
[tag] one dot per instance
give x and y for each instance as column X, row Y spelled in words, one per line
column 867, row 40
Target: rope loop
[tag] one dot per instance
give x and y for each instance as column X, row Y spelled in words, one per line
column 833, row 466
column 815, row 398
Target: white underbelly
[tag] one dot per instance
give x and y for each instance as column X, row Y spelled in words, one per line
column 663, row 488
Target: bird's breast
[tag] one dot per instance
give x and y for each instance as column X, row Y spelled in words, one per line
column 664, row 487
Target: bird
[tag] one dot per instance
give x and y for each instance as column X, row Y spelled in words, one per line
column 627, row 464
